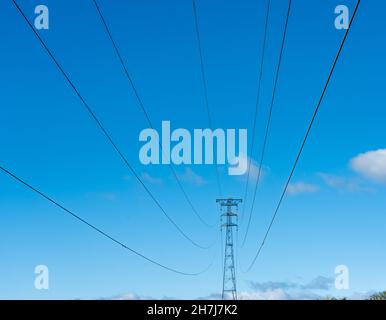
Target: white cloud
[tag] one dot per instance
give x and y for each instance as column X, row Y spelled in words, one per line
column 288, row 290
column 106, row 196
column 270, row 294
column 273, row 285
column 269, row 291
column 213, row 296
column 146, row 177
column 318, row 283
column 344, row 184
column 135, row 296
column 371, row 165
column 109, row 196
column 362, row 295
column 253, row 169
column 128, row 296
column 191, row 177
column 301, row 187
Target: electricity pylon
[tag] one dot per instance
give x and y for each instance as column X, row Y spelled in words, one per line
column 229, row 220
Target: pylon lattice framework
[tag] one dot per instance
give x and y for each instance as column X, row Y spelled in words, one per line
column 229, row 221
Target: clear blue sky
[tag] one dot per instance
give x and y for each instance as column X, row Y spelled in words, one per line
column 47, row 138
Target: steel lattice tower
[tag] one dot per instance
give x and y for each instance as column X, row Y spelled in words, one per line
column 229, row 220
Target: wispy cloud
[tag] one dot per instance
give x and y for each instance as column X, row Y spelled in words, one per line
column 319, row 283
column 191, row 177
column 301, row 187
column 146, row 177
column 279, row 294
column 253, row 169
column 270, row 294
column 213, row 296
column 106, row 196
column 345, row 184
column 371, row 165
column 129, row 296
column 316, row 289
column 288, row 290
column 134, row 296
column 273, row 285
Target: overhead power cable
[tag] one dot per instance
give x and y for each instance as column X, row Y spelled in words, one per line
column 268, row 122
column 107, row 135
column 306, row 136
column 100, row 231
column 259, row 83
column 205, row 85
column 142, row 106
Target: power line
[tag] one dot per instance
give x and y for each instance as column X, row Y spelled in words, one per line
column 142, row 106
column 306, row 136
column 204, row 83
column 103, row 233
column 107, row 135
column 269, row 119
column 262, row 59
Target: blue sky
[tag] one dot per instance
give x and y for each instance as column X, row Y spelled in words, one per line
column 335, row 214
